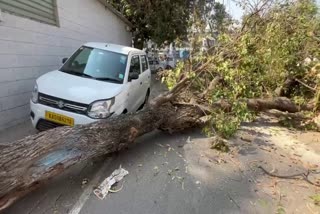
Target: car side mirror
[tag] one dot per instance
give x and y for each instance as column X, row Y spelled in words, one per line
column 133, row 76
column 64, row 60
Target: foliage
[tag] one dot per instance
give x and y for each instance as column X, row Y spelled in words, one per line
column 159, row 20
column 280, row 210
column 220, row 144
column 274, row 44
column 316, row 199
column 227, row 123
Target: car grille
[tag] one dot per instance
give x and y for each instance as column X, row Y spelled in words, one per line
column 62, row 104
column 44, row 125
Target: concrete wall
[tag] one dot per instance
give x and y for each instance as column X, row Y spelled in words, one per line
column 29, row 49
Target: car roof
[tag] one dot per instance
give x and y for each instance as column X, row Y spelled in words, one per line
column 113, row 48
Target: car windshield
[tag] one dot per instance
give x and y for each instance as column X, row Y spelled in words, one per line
column 97, row 64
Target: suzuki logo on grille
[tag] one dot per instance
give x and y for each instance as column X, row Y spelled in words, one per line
column 61, row 104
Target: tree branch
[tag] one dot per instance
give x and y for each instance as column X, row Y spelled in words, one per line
column 166, row 97
column 212, row 85
column 305, row 85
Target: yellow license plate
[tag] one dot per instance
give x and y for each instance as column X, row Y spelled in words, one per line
column 59, row 118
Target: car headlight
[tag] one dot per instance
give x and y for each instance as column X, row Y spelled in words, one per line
column 100, row 109
column 35, row 93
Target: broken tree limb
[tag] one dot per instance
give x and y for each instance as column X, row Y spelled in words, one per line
column 305, row 85
column 301, row 175
column 212, row 85
column 278, row 103
column 262, row 104
column 170, row 95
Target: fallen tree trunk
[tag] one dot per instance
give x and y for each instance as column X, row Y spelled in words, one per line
column 27, row 163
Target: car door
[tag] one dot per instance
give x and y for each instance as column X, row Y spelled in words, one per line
column 145, row 74
column 135, row 85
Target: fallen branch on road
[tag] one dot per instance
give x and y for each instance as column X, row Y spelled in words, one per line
column 296, row 176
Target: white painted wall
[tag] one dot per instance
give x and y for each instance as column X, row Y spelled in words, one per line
column 29, row 48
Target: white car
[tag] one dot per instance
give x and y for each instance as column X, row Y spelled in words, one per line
column 171, row 63
column 155, row 65
column 168, row 63
column 99, row 80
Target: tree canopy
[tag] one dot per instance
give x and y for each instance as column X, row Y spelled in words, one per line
column 159, row 20
column 215, row 15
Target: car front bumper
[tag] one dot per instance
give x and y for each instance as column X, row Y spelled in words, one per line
column 38, row 114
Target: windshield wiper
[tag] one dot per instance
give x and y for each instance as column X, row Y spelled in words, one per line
column 86, row 75
column 108, row 79
column 78, row 73
column 101, row 78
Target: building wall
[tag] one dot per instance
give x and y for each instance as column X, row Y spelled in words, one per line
column 29, row 49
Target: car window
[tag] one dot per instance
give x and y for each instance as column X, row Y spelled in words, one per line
column 144, row 63
column 147, row 62
column 135, row 64
column 83, row 56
